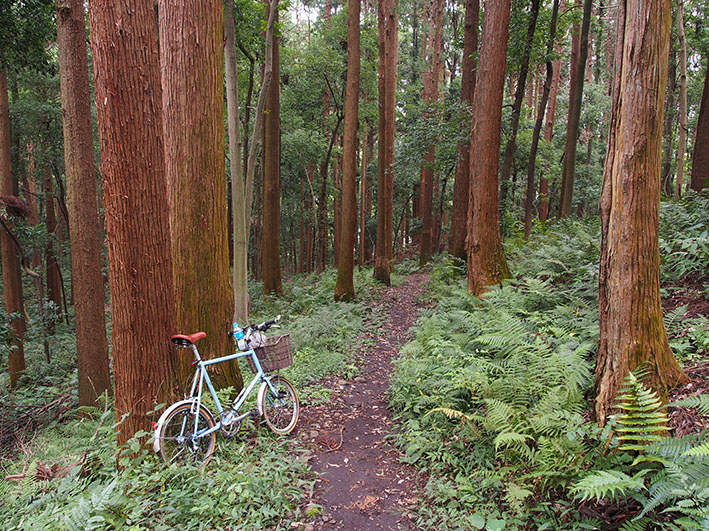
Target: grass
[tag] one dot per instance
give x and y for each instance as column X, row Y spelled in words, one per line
column 255, row 480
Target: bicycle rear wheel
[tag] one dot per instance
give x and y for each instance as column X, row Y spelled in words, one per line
column 280, row 410
column 178, row 446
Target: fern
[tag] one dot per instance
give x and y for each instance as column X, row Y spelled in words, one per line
column 609, row 484
column 643, row 418
column 701, row 450
column 699, row 402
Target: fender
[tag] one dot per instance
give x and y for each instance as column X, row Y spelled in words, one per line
column 261, row 397
column 161, row 421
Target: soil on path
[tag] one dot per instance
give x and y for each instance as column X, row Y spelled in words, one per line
column 362, row 484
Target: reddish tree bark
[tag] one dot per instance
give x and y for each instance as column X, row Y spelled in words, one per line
column 432, row 56
column 486, row 259
column 271, row 265
column 700, row 159
column 11, row 276
column 632, row 332
column 87, row 279
column 461, row 184
column 127, row 80
column 191, row 64
column 388, row 23
column 344, row 287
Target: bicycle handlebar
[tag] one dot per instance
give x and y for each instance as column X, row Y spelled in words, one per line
column 260, row 327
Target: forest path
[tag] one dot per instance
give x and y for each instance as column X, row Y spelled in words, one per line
column 362, row 484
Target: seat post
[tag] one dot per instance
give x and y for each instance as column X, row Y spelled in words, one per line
column 196, row 353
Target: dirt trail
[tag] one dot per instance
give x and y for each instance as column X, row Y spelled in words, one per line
column 362, row 484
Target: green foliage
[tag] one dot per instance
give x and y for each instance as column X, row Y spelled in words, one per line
column 700, row 402
column 684, row 239
column 491, row 392
column 609, row 484
column 643, row 418
column 251, row 484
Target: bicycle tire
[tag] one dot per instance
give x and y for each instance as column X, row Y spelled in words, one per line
column 280, row 412
column 176, row 448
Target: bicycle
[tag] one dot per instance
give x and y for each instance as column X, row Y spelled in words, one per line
column 179, row 439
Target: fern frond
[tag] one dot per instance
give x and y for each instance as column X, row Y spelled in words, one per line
column 674, row 317
column 608, row 484
column 699, row 402
column 643, row 416
column 701, row 450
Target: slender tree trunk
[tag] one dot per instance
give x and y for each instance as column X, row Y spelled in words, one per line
column 240, row 278
column 11, row 276
column 430, row 95
column 87, row 281
column 388, row 22
column 486, row 258
column 529, row 200
column 668, row 127
column 548, row 135
column 364, row 214
column 700, row 159
column 511, row 145
column 682, row 146
column 271, row 265
column 572, row 129
column 336, row 210
column 461, row 184
column 243, row 185
column 344, row 287
column 52, row 272
column 124, row 47
column 632, row 332
column 193, row 128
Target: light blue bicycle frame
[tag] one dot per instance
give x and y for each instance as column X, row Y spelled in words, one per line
column 201, row 376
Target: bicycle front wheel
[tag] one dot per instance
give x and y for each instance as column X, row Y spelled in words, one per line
column 178, row 443
column 280, row 409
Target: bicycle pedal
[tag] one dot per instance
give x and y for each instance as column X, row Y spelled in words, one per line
column 255, row 413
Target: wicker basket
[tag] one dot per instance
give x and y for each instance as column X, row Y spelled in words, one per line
column 277, row 354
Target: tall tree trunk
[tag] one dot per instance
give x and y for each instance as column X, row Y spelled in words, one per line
column 125, row 50
column 682, row 145
column 52, row 272
column 461, row 184
column 486, row 258
column 668, row 127
column 193, row 128
column 243, row 185
column 344, row 287
column 572, row 129
column 271, row 265
column 336, row 209
column 529, row 200
column 364, row 214
column 240, row 277
column 86, row 275
column 517, row 105
column 11, row 276
column 388, row 24
column 631, row 328
column 700, row 159
column 430, row 95
column 548, row 135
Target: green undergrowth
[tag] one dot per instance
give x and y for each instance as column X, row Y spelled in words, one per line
column 254, row 481
column 324, row 333
column 249, row 484
column 493, row 395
